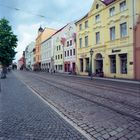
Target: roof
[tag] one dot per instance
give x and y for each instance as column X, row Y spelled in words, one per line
column 59, row 30
column 107, row 2
column 82, row 18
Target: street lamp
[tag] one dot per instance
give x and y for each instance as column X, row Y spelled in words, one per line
column 91, row 54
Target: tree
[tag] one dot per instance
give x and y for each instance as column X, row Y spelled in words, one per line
column 8, row 43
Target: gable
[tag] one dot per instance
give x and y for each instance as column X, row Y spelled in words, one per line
column 97, row 6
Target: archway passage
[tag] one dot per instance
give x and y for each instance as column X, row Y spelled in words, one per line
column 98, row 63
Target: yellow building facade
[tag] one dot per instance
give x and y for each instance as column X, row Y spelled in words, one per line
column 109, row 29
column 43, row 34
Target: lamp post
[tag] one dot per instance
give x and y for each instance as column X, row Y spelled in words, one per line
column 91, row 54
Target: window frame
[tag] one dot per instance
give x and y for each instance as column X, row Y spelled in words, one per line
column 112, row 36
column 123, row 6
column 97, row 19
column 86, row 41
column 97, row 34
column 86, row 24
column 123, row 30
column 112, row 11
column 80, row 42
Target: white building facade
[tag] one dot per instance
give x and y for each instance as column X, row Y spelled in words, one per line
column 29, row 56
column 64, row 41
column 70, row 48
column 47, row 55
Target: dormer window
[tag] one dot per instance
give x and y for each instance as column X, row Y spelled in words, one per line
column 97, row 6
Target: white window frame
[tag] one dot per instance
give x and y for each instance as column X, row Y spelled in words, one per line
column 112, row 11
column 123, row 30
column 97, row 34
column 123, row 6
column 97, row 18
column 112, row 33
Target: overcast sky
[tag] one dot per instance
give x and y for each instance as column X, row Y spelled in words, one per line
column 23, row 16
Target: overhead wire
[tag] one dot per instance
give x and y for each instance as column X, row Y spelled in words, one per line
column 21, row 10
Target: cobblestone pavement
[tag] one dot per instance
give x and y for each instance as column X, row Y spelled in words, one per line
column 104, row 110
column 23, row 116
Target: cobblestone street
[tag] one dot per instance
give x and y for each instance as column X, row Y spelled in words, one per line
column 23, row 116
column 104, row 110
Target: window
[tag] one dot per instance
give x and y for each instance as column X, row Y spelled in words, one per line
column 123, row 6
column 123, row 30
column 67, row 43
column 112, row 33
column 97, row 37
column 73, row 51
column 97, row 18
column 70, row 42
column 56, row 57
column 80, row 42
column 87, row 64
column 70, row 52
column 61, row 56
column 86, row 24
column 86, row 41
column 80, row 27
column 113, row 63
column 81, row 65
column 97, row 6
column 67, row 53
column 59, row 47
column 123, row 63
column 112, row 11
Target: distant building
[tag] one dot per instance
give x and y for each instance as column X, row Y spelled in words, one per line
column 29, row 55
column 43, row 34
column 58, row 50
column 47, row 55
column 64, row 41
column 69, row 44
column 21, row 62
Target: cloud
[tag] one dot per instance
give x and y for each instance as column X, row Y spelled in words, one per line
column 26, row 21
column 26, row 34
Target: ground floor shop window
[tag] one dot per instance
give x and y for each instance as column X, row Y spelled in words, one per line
column 81, row 65
column 73, row 67
column 60, row 67
column 123, row 63
column 56, row 67
column 87, row 64
column 65, row 67
column 113, row 63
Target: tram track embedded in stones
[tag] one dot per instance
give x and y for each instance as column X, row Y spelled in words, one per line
column 102, row 101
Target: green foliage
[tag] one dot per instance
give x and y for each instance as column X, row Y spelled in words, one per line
column 8, row 43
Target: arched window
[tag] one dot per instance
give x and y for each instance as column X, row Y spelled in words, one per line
column 97, row 6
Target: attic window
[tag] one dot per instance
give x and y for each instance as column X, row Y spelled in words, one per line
column 97, row 6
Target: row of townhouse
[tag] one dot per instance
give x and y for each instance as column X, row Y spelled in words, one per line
column 104, row 42
column 59, row 50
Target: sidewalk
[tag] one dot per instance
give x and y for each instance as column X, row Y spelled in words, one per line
column 23, row 116
column 101, row 78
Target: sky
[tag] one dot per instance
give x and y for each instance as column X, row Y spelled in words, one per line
column 26, row 16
